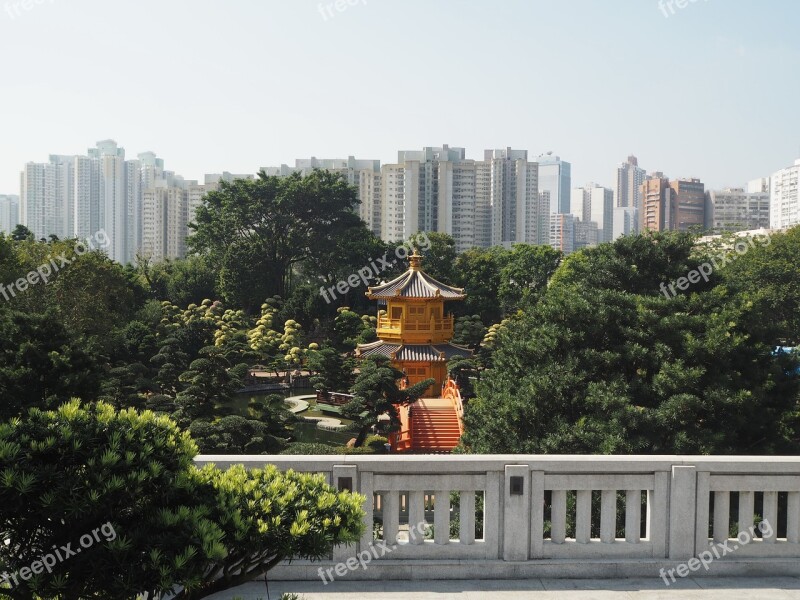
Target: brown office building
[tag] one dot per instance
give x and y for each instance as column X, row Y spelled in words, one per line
column 672, row 205
column 688, row 204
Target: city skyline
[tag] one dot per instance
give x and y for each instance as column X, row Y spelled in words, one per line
column 504, row 199
column 593, row 97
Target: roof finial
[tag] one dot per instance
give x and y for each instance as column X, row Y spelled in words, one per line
column 415, row 261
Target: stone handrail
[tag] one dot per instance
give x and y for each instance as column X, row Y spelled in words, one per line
column 535, row 514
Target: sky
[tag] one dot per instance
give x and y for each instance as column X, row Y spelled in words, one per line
column 710, row 89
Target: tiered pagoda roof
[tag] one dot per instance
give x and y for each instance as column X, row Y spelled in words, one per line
column 413, row 352
column 415, row 283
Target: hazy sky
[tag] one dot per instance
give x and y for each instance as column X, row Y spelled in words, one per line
column 710, row 91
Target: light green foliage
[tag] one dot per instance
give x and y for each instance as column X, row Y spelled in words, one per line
column 66, row 473
column 271, row 516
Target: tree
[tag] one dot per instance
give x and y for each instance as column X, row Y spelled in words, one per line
column 182, row 282
column 767, row 275
column 594, row 369
column 525, row 274
column 440, row 257
column 375, row 393
column 333, row 372
column 93, row 295
column 235, row 434
column 638, row 264
column 468, row 331
column 78, row 470
column 210, row 381
column 267, row 517
column 155, row 523
column 41, row 365
column 478, row 271
column 254, row 232
column 21, row 233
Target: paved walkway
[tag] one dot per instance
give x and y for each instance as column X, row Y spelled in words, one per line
column 706, row 588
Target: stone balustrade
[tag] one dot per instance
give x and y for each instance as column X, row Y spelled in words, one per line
column 520, row 516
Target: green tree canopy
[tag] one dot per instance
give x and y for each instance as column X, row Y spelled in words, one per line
column 256, row 231
column 157, row 524
column 769, row 276
column 605, row 363
column 525, row 274
column 41, row 365
column 375, row 393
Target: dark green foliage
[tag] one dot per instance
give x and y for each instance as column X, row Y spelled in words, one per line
column 376, row 393
column 21, row 233
column 254, row 232
column 469, row 331
column 607, row 364
column 303, row 448
column 333, row 372
column 209, row 382
column 236, row 435
column 41, row 365
column 478, row 271
column 768, row 275
column 525, row 274
column 440, row 257
column 69, row 472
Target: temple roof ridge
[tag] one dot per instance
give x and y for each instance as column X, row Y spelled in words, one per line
column 415, row 283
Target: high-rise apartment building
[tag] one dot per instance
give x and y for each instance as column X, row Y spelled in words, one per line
column 785, row 197
column 77, row 196
column 626, row 221
column 483, row 216
column 514, row 197
column 595, row 203
column 586, row 234
column 629, row 180
column 677, row 205
column 733, row 209
column 581, row 203
column 9, row 213
column 555, row 188
column 755, row 186
column 431, row 190
column 46, row 197
column 656, row 213
column 562, row 233
column 165, row 215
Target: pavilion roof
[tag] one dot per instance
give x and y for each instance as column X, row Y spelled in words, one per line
column 413, row 352
column 415, row 283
